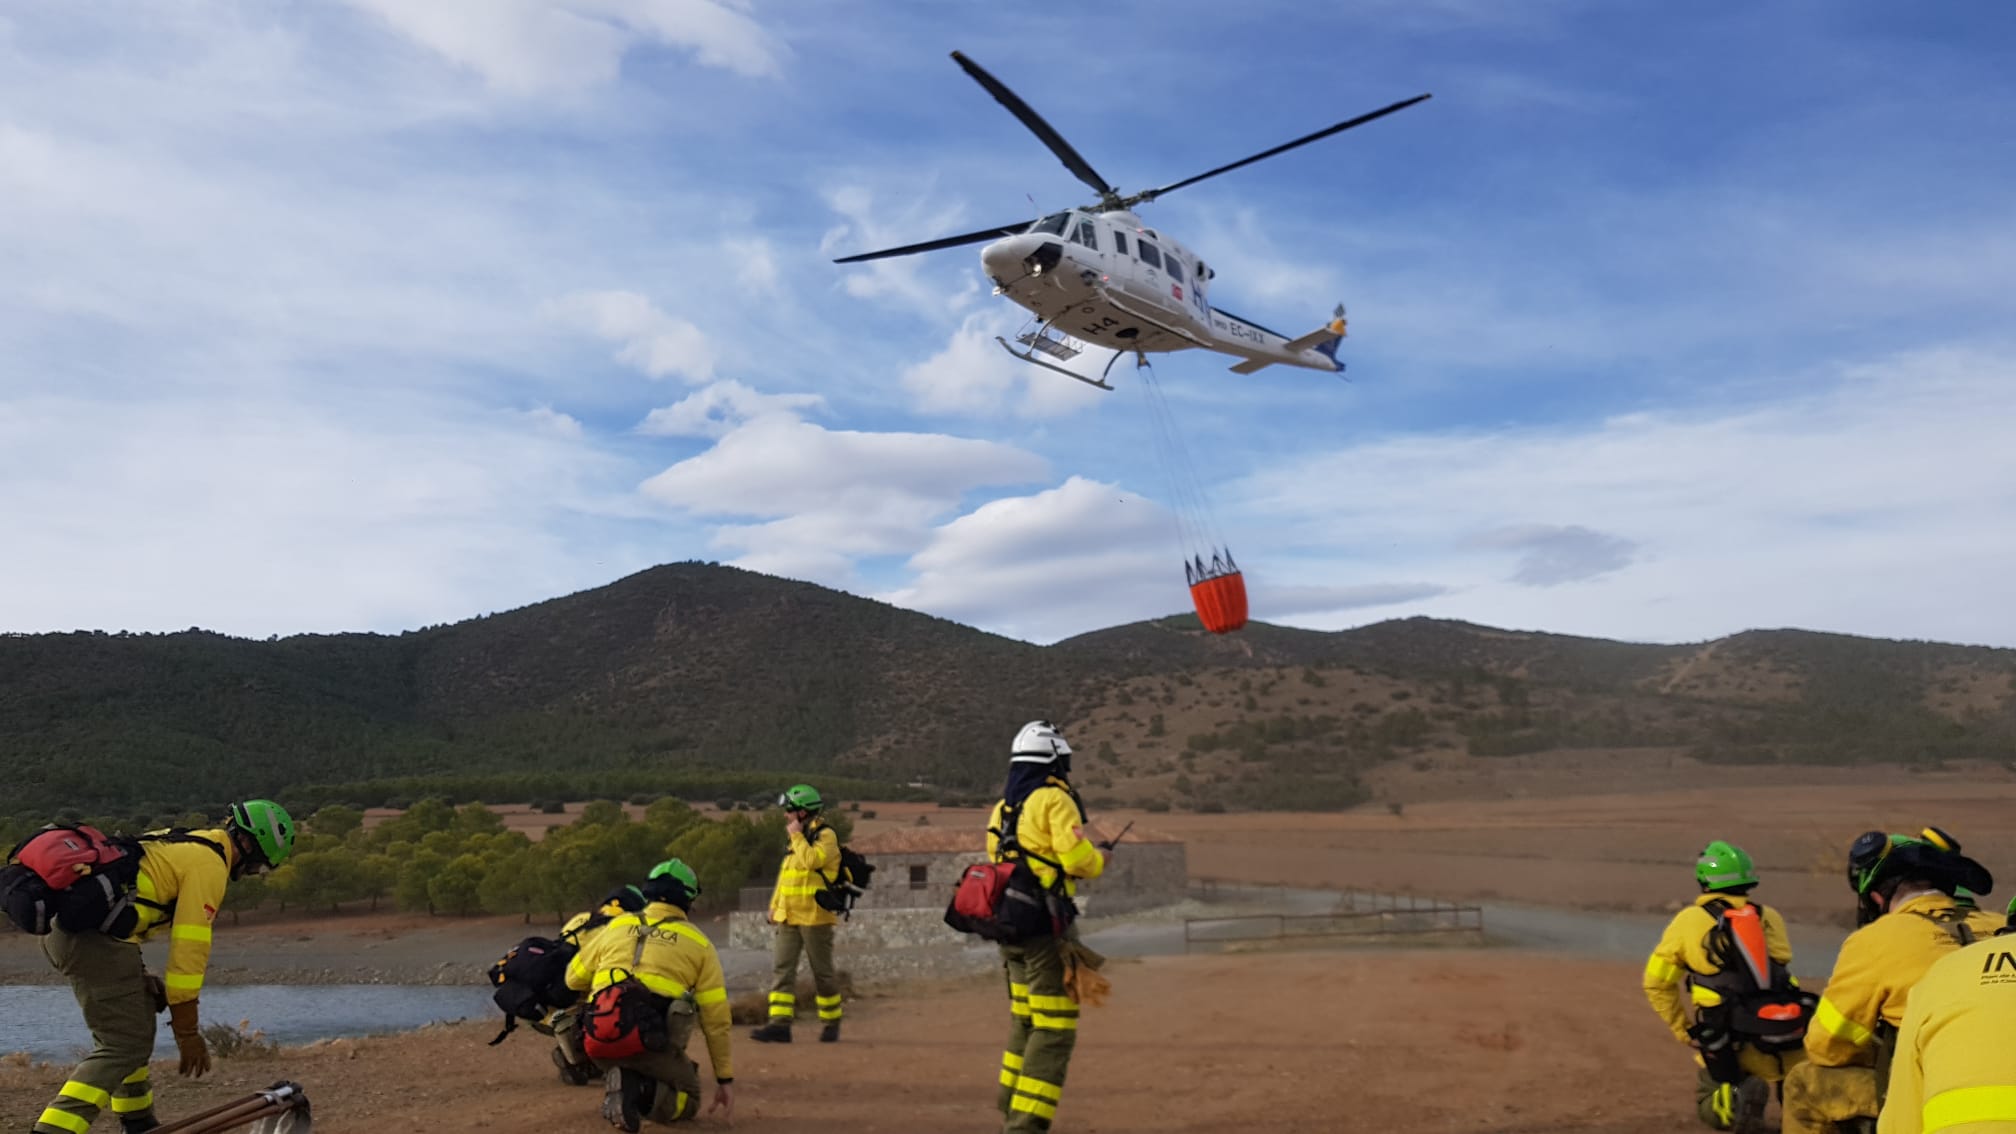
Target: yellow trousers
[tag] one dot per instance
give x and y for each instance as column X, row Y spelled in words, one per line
column 1818, row 1097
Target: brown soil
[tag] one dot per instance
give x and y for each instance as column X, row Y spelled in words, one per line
column 1477, row 1041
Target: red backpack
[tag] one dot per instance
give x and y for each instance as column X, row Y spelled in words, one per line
column 60, row 855
column 1004, row 901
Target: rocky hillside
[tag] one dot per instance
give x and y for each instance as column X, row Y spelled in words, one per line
column 691, row 675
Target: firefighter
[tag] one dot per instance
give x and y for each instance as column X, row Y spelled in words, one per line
column 1952, row 1066
column 1695, row 956
column 1907, row 884
column 802, row 924
column 1048, row 831
column 180, row 884
column 672, row 959
column 576, row 1069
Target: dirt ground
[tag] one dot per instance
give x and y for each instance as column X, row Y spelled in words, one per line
column 1472, row 1041
column 1432, row 1040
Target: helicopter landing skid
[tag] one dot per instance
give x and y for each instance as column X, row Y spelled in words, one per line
column 1028, row 355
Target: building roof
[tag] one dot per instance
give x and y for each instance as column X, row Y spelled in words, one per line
column 960, row 840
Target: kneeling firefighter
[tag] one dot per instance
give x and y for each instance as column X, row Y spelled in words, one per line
column 1904, row 889
column 576, row 1069
column 651, row 976
column 179, row 884
column 1953, row 1067
column 1744, row 1015
column 1040, row 821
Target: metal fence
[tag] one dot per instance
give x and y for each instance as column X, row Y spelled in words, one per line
column 1361, row 916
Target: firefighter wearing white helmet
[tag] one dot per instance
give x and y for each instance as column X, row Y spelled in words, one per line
column 1042, row 819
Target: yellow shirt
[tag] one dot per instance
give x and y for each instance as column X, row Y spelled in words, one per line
column 184, row 882
column 1045, row 828
column 1955, row 1064
column 1873, row 976
column 1682, row 950
column 803, row 875
column 675, row 960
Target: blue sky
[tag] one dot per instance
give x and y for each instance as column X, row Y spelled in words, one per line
column 1666, row 322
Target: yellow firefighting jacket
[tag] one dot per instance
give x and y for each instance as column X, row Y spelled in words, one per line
column 814, row 857
column 181, row 885
column 1952, row 1066
column 1045, row 828
column 1682, row 950
column 676, row 959
column 1873, row 976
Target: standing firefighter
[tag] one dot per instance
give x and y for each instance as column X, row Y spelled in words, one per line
column 180, row 884
column 650, row 975
column 803, row 925
column 1040, row 820
column 1953, row 1065
column 1904, row 886
column 1743, row 1015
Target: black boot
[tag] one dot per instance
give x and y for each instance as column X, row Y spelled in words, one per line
column 1751, row 1097
column 773, row 1032
column 571, row 1073
column 626, row 1095
column 139, row 1125
column 830, row 1033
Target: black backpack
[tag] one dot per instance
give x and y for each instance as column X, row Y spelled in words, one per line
column 846, row 885
column 530, row 981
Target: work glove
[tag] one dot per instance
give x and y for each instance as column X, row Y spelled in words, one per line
column 157, row 992
column 189, row 1039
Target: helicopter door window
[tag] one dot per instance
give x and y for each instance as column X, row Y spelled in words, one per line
column 1175, row 269
column 1052, row 224
column 1087, row 236
column 1149, row 254
column 1120, row 243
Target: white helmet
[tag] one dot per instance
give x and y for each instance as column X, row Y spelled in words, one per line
column 1039, row 743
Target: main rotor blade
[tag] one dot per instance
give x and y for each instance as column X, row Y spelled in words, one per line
column 1022, row 110
column 941, row 242
column 1151, row 194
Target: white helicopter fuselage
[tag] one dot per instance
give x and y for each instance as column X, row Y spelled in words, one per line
column 1107, row 279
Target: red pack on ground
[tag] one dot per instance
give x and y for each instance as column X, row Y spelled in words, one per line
column 62, row 855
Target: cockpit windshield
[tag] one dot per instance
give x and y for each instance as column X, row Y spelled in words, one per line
column 1052, row 224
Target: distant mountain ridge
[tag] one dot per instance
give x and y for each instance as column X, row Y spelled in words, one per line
column 696, row 666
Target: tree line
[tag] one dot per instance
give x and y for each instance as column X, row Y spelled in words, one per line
column 437, row 858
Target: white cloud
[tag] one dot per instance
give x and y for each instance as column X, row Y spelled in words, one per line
column 974, row 376
column 1069, row 559
column 873, row 225
column 653, row 342
column 1862, row 509
column 1551, row 554
column 255, row 517
column 830, row 495
column 536, row 46
column 755, row 264
column 560, row 424
column 1271, row 601
column 714, row 411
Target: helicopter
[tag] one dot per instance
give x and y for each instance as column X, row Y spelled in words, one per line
column 1096, row 275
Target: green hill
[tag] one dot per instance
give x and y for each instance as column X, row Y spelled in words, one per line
column 712, row 680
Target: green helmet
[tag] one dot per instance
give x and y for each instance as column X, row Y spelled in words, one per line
column 676, row 871
column 269, row 825
column 801, row 798
column 1724, row 866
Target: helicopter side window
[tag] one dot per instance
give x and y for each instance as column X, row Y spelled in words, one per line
column 1052, row 224
column 1120, row 243
column 1149, row 254
column 1175, row 269
column 1087, row 236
